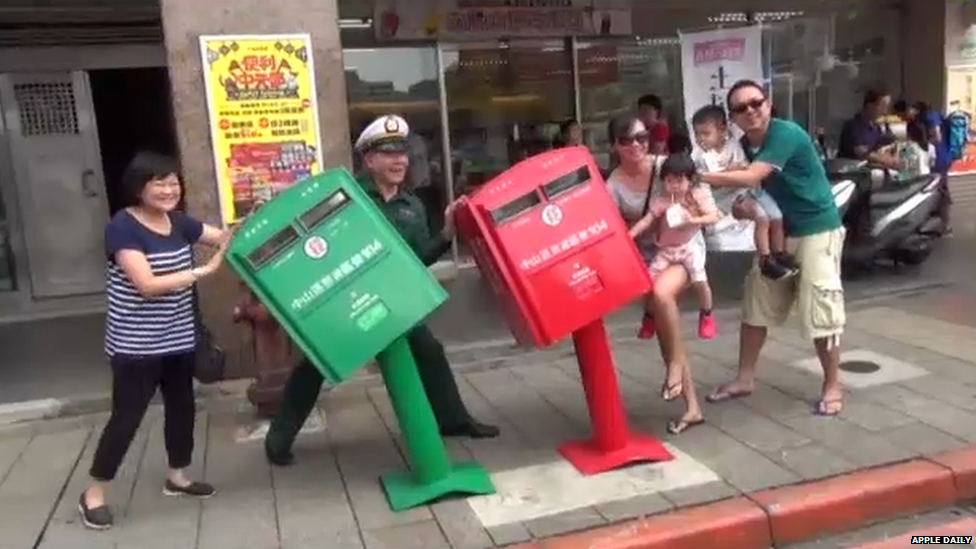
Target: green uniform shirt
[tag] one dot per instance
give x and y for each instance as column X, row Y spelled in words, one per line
column 798, row 183
column 406, row 212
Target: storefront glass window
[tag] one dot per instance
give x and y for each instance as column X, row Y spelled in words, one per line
column 6, row 256
column 505, row 102
column 615, row 73
column 403, row 81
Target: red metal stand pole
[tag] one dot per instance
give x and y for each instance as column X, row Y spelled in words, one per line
column 600, row 385
column 612, row 445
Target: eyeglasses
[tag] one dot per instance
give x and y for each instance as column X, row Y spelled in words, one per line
column 627, row 140
column 755, row 104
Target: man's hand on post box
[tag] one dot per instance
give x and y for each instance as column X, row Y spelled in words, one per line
column 449, row 227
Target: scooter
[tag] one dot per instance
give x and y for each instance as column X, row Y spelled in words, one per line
column 886, row 218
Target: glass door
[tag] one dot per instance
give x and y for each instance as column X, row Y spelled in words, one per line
column 7, row 279
column 404, row 81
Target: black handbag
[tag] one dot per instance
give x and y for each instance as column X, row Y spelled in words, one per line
column 211, row 360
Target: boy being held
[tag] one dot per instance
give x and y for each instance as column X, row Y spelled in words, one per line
column 719, row 152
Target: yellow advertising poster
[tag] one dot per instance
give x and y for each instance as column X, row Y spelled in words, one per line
column 263, row 116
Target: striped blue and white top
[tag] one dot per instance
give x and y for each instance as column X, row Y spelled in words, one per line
column 139, row 326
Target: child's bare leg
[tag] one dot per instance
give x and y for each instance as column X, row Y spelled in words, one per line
column 746, row 208
column 762, row 236
column 777, row 236
column 704, row 293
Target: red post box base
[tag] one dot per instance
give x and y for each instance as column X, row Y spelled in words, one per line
column 612, row 444
column 590, row 459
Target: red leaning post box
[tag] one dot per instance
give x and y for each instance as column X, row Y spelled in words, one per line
column 549, row 238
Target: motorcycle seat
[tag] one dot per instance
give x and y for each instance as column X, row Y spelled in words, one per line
column 893, row 193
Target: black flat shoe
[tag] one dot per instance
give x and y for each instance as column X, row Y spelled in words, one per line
column 472, row 429
column 200, row 490
column 99, row 518
column 279, row 459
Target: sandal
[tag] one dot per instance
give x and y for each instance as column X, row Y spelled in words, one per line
column 725, row 393
column 824, row 407
column 678, row 426
column 671, row 392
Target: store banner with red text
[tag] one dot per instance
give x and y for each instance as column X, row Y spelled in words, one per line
column 263, row 116
column 487, row 19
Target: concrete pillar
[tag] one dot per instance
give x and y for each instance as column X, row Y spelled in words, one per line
column 923, row 51
column 184, row 21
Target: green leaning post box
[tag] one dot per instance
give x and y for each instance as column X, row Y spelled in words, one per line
column 347, row 288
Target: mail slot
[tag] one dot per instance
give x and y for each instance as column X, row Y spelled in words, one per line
column 548, row 237
column 333, row 272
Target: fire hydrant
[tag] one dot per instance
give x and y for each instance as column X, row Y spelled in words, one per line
column 274, row 355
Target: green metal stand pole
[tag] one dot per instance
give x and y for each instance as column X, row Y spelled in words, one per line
column 432, row 475
column 425, row 448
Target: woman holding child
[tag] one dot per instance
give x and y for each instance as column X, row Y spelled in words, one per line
column 674, row 251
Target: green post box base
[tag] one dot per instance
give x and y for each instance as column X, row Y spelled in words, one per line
column 432, row 476
column 403, row 491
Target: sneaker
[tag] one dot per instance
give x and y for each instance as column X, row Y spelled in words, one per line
column 786, row 260
column 772, row 269
column 200, row 490
column 99, row 518
column 647, row 329
column 706, row 325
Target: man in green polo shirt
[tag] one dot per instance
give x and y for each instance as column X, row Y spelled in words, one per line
column 785, row 163
column 383, row 145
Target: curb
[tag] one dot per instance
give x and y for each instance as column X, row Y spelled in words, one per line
column 792, row 514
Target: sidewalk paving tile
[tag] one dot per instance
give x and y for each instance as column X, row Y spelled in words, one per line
column 923, row 438
column 365, row 451
column 859, row 445
column 701, row 494
column 11, row 449
column 417, row 535
column 740, row 466
column 310, row 498
column 65, row 528
column 243, row 514
column 812, row 461
column 570, row 521
column 874, row 417
column 32, row 488
column 153, row 521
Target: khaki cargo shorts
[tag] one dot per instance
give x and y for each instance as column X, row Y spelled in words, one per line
column 816, row 294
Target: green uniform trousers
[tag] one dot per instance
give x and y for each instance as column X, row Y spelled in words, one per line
column 305, row 382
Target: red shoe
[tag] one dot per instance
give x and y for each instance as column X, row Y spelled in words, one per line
column 647, row 329
column 706, row 326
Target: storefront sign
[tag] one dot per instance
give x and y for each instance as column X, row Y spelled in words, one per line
column 480, row 19
column 263, row 116
column 711, row 62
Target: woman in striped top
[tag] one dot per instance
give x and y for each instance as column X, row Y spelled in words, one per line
column 150, row 332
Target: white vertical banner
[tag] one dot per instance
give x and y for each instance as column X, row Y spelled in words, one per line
column 711, row 62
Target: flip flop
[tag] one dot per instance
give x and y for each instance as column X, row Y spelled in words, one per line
column 724, row 394
column 824, row 405
column 678, row 426
column 671, row 392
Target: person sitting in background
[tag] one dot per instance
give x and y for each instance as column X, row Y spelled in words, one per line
column 863, row 137
column 650, row 110
column 570, row 134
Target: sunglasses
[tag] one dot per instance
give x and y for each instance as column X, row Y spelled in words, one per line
column 741, row 108
column 627, row 140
